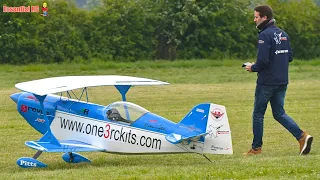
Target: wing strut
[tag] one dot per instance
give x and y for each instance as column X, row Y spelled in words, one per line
column 123, row 89
column 38, row 153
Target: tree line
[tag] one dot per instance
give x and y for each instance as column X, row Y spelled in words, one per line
column 130, row 30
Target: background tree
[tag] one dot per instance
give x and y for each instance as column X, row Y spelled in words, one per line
column 130, row 30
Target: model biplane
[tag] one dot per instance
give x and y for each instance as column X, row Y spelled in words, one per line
column 71, row 125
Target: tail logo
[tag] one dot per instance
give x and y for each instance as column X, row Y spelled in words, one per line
column 217, row 114
column 215, row 131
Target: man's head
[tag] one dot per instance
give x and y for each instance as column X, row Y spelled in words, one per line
column 262, row 13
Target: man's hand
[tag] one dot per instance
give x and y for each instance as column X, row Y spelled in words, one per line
column 248, row 66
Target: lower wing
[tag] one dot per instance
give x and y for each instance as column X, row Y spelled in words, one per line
column 65, row 146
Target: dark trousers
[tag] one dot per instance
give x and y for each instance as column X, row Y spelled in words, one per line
column 276, row 96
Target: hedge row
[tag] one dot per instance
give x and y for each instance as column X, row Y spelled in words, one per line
column 131, row 30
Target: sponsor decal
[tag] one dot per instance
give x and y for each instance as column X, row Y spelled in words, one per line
column 153, row 121
column 84, row 111
column 215, row 148
column 200, row 110
column 25, row 109
column 125, row 135
column 278, row 38
column 281, row 51
column 40, row 120
column 157, row 126
column 223, row 132
column 215, row 131
column 217, row 114
column 283, row 38
column 27, row 163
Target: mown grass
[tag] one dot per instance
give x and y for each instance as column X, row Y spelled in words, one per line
column 202, row 71
column 192, row 82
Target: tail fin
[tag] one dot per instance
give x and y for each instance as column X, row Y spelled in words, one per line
column 211, row 119
column 218, row 140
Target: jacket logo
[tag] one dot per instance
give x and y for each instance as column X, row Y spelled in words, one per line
column 278, row 38
column 281, row 51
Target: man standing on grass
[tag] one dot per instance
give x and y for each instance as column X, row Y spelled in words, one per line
column 272, row 64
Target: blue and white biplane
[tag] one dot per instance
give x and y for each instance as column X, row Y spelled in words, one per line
column 71, row 125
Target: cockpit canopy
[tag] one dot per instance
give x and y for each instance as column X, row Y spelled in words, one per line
column 126, row 112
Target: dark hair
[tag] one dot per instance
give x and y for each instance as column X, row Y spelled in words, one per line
column 264, row 11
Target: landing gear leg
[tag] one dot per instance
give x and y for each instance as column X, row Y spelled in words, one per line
column 38, row 153
column 71, row 157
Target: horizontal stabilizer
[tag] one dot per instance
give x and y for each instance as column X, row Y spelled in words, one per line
column 177, row 138
column 66, row 146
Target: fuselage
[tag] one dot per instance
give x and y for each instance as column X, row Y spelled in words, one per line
column 71, row 119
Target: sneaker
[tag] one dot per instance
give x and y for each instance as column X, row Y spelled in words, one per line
column 254, row 151
column 305, row 143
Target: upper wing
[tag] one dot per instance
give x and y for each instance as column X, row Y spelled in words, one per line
column 66, row 146
column 66, row 83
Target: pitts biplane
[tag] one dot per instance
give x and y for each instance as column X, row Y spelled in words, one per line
column 71, row 125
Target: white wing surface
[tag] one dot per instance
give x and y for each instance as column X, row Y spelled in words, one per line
column 66, row 83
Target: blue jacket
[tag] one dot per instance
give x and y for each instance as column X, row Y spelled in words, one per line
column 274, row 55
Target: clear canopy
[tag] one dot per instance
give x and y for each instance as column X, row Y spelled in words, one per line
column 124, row 111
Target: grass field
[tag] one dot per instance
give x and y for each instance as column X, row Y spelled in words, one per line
column 192, row 82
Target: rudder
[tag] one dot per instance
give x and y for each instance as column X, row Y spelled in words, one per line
column 218, row 140
column 209, row 122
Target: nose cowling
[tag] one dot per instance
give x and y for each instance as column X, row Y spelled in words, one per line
column 15, row 97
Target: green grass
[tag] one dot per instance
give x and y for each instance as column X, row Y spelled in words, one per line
column 181, row 72
column 192, row 82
